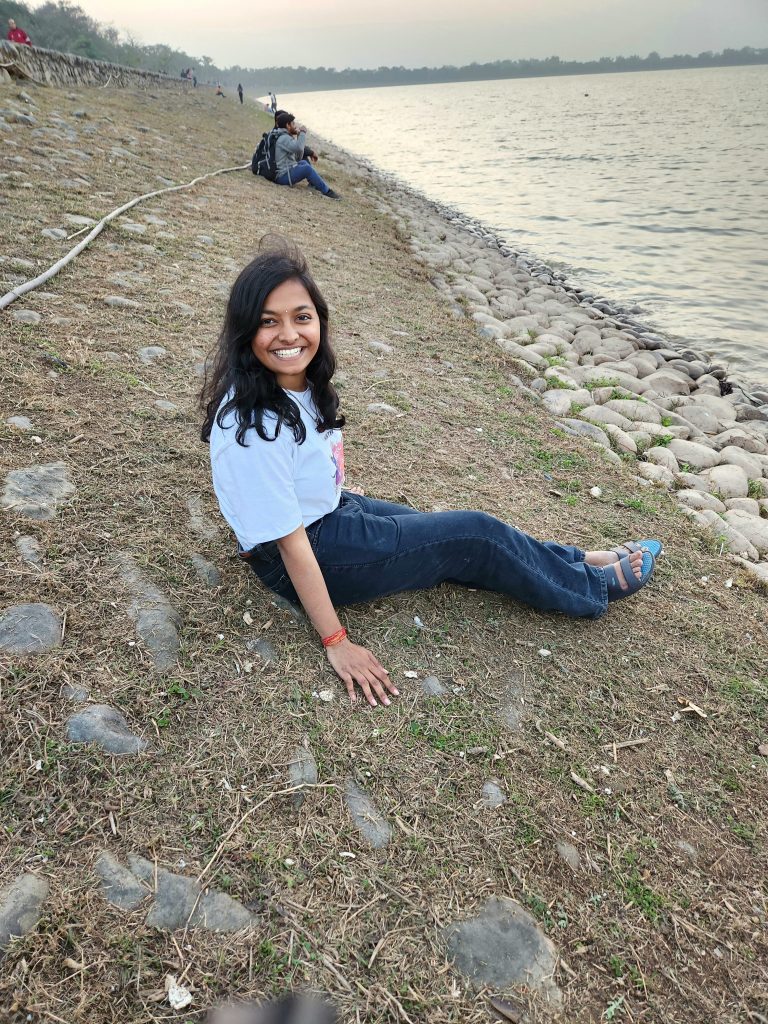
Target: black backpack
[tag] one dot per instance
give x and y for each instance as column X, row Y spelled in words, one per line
column 263, row 162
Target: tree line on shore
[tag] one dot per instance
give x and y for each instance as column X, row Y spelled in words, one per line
column 64, row 26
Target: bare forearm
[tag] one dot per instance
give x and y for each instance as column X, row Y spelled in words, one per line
column 307, row 579
column 353, row 664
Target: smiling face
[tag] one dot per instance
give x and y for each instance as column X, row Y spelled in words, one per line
column 288, row 335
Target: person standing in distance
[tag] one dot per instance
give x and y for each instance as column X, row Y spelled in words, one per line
column 240, row 91
column 289, row 157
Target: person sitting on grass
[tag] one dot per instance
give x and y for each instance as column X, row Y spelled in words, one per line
column 292, row 167
column 274, row 427
column 309, row 153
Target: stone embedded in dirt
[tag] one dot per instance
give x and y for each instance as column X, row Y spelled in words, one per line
column 29, row 629
column 180, row 901
column 164, row 406
column 302, row 771
column 120, row 302
column 567, row 852
column 20, row 904
column 75, row 692
column 78, row 219
column 432, row 687
column 184, row 308
column 151, row 353
column 380, row 347
column 35, row 491
column 131, row 226
column 205, row 240
column 688, row 849
column 372, row 825
column 207, row 572
column 492, row 796
column 55, row 233
column 263, row 648
column 156, row 619
column 287, row 606
column 106, row 726
column 152, row 218
column 384, row 409
column 129, row 279
column 26, row 316
column 512, row 710
column 503, row 946
column 20, row 423
column 30, row 550
column 119, row 886
column 198, row 521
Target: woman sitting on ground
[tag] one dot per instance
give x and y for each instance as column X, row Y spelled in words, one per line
column 273, row 423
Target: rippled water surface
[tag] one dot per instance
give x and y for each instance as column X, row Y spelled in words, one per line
column 649, row 188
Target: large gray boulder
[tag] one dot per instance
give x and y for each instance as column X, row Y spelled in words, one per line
column 697, row 455
column 637, row 412
column 752, row 527
column 728, row 481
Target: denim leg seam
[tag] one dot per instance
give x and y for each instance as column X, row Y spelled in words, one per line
column 386, row 561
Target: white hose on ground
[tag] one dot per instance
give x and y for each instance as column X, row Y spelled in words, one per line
column 28, row 286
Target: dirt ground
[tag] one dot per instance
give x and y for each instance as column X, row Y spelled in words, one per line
column 648, row 930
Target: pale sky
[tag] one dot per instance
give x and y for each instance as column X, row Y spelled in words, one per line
column 353, row 33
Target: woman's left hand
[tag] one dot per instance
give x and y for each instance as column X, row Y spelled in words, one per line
column 356, row 490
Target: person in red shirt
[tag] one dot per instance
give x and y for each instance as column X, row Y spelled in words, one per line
column 17, row 35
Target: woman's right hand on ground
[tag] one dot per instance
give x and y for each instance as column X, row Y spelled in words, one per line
column 357, row 666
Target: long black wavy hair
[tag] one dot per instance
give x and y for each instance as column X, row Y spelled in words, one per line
column 237, row 382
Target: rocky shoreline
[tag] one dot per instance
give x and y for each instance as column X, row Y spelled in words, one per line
column 672, row 414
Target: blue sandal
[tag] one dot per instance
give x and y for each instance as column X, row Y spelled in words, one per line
column 654, row 546
column 632, row 584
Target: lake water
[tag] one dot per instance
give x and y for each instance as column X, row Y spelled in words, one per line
column 648, row 188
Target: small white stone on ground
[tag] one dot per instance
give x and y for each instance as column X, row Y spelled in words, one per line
column 492, row 796
column 20, row 423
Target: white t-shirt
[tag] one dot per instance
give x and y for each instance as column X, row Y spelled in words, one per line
column 269, row 488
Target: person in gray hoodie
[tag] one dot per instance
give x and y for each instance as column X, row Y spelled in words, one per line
column 289, row 153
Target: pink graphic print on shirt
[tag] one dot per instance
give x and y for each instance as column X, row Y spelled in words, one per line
column 337, row 457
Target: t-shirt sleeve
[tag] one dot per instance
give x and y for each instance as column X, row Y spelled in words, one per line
column 255, row 487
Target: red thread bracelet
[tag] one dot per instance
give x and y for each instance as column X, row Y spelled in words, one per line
column 335, row 638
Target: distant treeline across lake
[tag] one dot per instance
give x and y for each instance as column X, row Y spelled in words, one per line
column 301, row 79
column 65, row 26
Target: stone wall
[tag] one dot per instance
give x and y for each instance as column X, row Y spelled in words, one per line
column 49, row 67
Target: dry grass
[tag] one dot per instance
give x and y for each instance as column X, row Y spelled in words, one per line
column 644, row 933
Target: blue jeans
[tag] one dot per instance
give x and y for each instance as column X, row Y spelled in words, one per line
column 367, row 549
column 303, row 171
